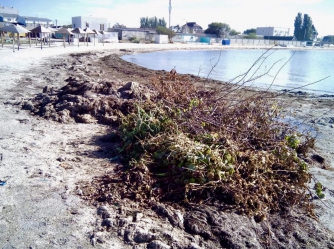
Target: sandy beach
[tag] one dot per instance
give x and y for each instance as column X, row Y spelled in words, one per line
column 46, row 166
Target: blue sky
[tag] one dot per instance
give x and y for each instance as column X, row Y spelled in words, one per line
column 239, row 14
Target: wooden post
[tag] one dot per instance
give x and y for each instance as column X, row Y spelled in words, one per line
column 18, row 41
column 40, row 34
column 13, row 42
column 64, row 40
column 2, row 37
column 29, row 39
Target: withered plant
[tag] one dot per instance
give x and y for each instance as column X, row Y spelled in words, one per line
column 193, row 144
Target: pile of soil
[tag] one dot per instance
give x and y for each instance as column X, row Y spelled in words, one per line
column 84, row 101
column 94, row 92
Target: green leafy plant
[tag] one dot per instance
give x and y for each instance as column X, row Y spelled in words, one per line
column 318, row 190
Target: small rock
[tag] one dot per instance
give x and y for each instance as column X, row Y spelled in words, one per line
column 123, row 221
column 93, row 241
column 87, row 119
column 318, row 158
column 194, row 246
column 105, row 212
column 28, row 106
column 143, row 236
column 129, row 86
column 107, row 222
column 138, row 216
column 157, row 244
column 61, row 159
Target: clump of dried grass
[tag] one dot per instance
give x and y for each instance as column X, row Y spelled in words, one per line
column 195, row 144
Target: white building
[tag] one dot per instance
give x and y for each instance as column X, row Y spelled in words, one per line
column 9, row 14
column 97, row 23
column 272, row 31
column 33, row 22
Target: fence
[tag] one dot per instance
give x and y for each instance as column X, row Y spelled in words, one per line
column 259, row 42
column 235, row 41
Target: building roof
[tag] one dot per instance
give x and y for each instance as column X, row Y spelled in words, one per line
column 193, row 24
column 29, row 18
column 8, row 15
column 135, row 29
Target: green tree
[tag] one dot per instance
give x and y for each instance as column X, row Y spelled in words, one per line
column 67, row 26
column 165, row 31
column 250, row 36
column 307, row 30
column 298, row 32
column 152, row 22
column 162, row 23
column 218, row 28
column 249, row 31
column 118, row 25
column 234, row 32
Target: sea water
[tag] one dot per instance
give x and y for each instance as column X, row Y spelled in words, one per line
column 260, row 68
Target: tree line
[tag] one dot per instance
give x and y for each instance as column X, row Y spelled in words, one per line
column 152, row 22
column 304, row 27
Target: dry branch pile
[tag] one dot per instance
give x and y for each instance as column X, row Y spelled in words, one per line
column 192, row 144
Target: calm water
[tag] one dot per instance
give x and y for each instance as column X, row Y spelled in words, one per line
column 289, row 69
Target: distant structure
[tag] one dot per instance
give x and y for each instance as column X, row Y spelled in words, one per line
column 8, row 10
column 314, row 33
column 328, row 39
column 191, row 28
column 97, row 23
column 272, row 31
column 33, row 22
column 170, row 12
column 10, row 14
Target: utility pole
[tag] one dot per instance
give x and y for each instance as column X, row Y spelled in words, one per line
column 170, row 11
column 56, row 23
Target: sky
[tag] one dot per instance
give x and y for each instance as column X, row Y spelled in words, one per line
column 239, row 14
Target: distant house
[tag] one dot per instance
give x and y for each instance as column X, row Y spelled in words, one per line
column 33, row 22
column 10, row 14
column 191, row 28
column 176, row 29
column 272, row 31
column 314, row 33
column 130, row 33
column 328, row 39
column 97, row 23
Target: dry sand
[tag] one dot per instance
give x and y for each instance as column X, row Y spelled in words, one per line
column 42, row 162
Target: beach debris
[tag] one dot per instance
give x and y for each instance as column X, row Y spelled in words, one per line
column 2, row 183
column 318, row 158
column 84, row 101
column 196, row 148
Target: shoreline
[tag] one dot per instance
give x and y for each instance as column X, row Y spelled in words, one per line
column 43, row 160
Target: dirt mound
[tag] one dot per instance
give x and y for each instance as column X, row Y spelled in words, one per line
column 87, row 97
column 84, row 101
